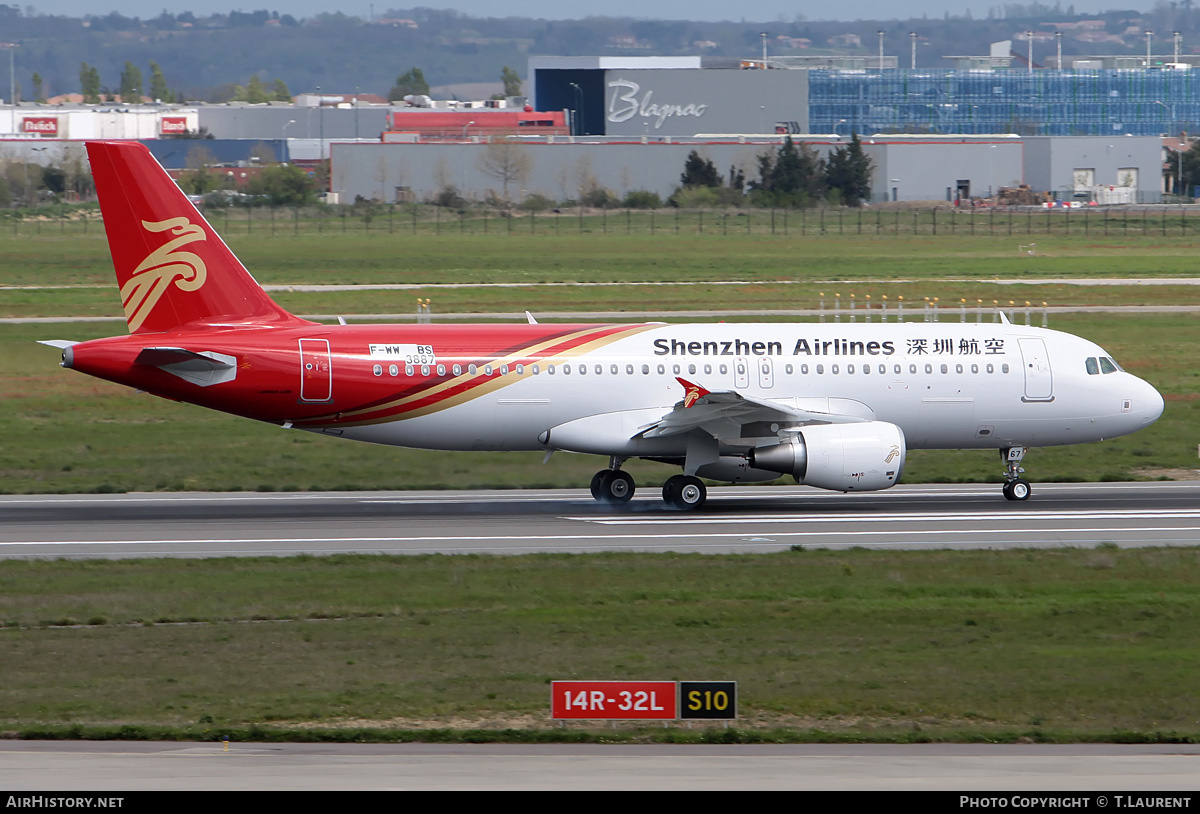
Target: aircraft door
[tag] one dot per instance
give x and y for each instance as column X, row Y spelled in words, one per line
column 316, row 370
column 1039, row 381
column 741, row 373
column 766, row 373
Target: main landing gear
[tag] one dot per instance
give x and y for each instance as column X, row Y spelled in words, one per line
column 612, row 485
column 1015, row 487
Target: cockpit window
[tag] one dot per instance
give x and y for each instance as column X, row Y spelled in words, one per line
column 1107, row 365
column 1093, row 366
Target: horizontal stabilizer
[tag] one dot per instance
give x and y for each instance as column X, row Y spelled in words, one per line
column 61, row 344
column 201, row 368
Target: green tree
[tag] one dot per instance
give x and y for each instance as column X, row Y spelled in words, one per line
column 131, row 83
column 255, row 93
column 39, row 94
column 410, row 83
column 1191, row 169
column 89, row 83
column 699, row 172
column 281, row 92
column 848, row 170
column 285, row 185
column 511, row 80
column 794, row 176
column 158, row 84
column 198, row 179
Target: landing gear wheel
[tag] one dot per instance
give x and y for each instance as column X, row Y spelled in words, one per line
column 612, row 486
column 1018, row 489
column 618, row 488
column 684, row 492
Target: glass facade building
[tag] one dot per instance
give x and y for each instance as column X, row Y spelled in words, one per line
column 1042, row 103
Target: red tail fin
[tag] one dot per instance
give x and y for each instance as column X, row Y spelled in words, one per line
column 172, row 267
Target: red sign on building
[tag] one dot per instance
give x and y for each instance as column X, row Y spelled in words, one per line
column 620, row 700
column 42, row 125
column 173, row 125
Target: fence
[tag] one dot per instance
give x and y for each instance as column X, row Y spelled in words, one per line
column 1181, row 221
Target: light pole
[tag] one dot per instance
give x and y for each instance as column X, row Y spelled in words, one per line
column 912, row 36
column 895, row 190
column 763, row 34
column 321, row 124
column 1058, row 41
column 1177, row 36
column 880, row 33
column 29, row 192
column 464, row 132
column 1029, row 36
column 1149, row 38
column 290, row 122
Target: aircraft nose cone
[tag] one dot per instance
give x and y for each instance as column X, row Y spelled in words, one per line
column 1151, row 404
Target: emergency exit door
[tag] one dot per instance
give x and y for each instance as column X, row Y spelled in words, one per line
column 316, row 370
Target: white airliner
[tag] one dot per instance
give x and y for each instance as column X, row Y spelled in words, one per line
column 836, row 406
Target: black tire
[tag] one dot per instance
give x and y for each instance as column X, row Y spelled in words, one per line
column 1019, row 489
column 600, row 483
column 685, row 492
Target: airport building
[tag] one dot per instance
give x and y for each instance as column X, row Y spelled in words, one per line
column 629, row 123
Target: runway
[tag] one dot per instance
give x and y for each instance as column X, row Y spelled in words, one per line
column 735, row 520
column 1090, row 768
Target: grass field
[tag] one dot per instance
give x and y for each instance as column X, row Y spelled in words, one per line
column 1070, row 645
column 1063, row 645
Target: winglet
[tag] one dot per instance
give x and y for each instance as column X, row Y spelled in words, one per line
column 691, row 392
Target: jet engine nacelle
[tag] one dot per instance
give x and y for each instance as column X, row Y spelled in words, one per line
column 861, row 457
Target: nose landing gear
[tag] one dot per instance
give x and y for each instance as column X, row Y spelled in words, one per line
column 1015, row 487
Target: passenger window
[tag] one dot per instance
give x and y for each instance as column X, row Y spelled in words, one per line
column 520, row 370
column 945, row 369
column 1004, row 367
column 928, row 369
column 691, row 369
column 377, row 370
column 788, row 369
column 613, row 370
column 974, row 368
column 897, row 369
column 441, row 370
column 408, row 370
column 550, row 369
column 866, row 369
column 566, row 370
column 820, row 368
column 645, row 370
column 628, row 370
column 1093, row 366
column 724, row 370
column 911, row 369
column 582, row 370
column 849, row 369
column 424, row 370
column 662, row 369
column 536, row 369
column 457, row 370
column 393, row 370
column 675, row 369
column 503, row 370
column 1106, row 365
column 487, row 370
column 804, row 370
column 833, row 369
column 472, row 369
column 599, row 369
column 991, row 368
column 958, row 369
column 708, row 370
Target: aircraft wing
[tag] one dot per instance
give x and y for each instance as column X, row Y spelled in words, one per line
column 723, row 413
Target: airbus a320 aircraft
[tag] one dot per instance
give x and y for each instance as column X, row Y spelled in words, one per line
column 837, row 406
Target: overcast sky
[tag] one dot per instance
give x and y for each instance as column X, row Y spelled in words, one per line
column 754, row 11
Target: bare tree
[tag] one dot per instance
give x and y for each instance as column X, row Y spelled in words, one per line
column 507, row 162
